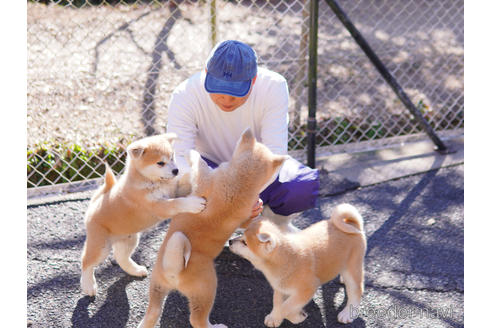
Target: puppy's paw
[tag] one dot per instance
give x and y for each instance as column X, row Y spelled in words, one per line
column 219, row 325
column 138, row 271
column 194, row 204
column 273, row 321
column 88, row 286
column 347, row 316
column 297, row 317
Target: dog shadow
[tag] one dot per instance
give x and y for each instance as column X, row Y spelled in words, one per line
column 116, row 307
column 329, row 312
column 175, row 312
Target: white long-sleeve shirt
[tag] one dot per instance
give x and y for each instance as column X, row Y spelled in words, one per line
column 200, row 124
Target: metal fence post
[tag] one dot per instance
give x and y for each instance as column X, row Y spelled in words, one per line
column 335, row 7
column 213, row 22
column 312, row 79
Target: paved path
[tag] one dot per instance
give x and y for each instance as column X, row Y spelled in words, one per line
column 414, row 263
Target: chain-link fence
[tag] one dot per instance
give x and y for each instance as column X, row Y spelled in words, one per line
column 100, row 73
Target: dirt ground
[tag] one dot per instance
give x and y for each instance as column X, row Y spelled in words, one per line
column 99, row 75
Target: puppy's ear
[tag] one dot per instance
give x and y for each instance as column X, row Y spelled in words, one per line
column 245, row 142
column 136, row 152
column 279, row 160
column 171, row 137
column 247, row 137
column 268, row 241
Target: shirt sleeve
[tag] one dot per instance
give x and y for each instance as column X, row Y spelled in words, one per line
column 182, row 122
column 275, row 121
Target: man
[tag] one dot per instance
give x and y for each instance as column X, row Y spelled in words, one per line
column 211, row 109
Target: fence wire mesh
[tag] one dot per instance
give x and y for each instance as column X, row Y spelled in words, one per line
column 100, row 73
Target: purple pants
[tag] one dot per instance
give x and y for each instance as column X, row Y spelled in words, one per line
column 297, row 192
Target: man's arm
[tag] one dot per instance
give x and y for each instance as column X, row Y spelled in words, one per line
column 182, row 122
column 275, row 121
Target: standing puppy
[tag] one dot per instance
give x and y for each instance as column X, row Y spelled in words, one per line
column 144, row 195
column 186, row 258
column 296, row 264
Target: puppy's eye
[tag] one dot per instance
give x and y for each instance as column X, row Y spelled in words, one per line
column 244, row 242
column 161, row 163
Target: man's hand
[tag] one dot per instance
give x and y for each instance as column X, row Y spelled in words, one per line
column 257, row 208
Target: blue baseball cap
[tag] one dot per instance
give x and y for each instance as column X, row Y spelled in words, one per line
column 231, row 67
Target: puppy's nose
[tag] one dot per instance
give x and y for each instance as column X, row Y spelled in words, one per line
column 175, row 171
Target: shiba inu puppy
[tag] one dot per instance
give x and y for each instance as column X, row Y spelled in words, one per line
column 296, row 264
column 147, row 192
column 186, row 258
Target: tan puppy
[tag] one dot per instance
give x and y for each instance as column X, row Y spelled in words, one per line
column 119, row 210
column 296, row 264
column 186, row 258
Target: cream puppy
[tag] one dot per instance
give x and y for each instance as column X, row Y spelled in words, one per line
column 186, row 258
column 296, row 264
column 147, row 192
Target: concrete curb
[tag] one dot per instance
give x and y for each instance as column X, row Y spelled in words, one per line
column 369, row 168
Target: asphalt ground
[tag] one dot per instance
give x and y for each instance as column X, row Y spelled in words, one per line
column 414, row 262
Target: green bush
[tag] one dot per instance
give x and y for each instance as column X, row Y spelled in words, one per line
column 81, row 3
column 53, row 165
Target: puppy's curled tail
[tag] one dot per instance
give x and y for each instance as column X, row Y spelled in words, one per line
column 176, row 256
column 109, row 179
column 348, row 219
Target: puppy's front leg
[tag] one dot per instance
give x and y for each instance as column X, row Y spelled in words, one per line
column 170, row 207
column 291, row 308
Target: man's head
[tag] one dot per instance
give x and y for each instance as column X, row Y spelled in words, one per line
column 231, row 72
